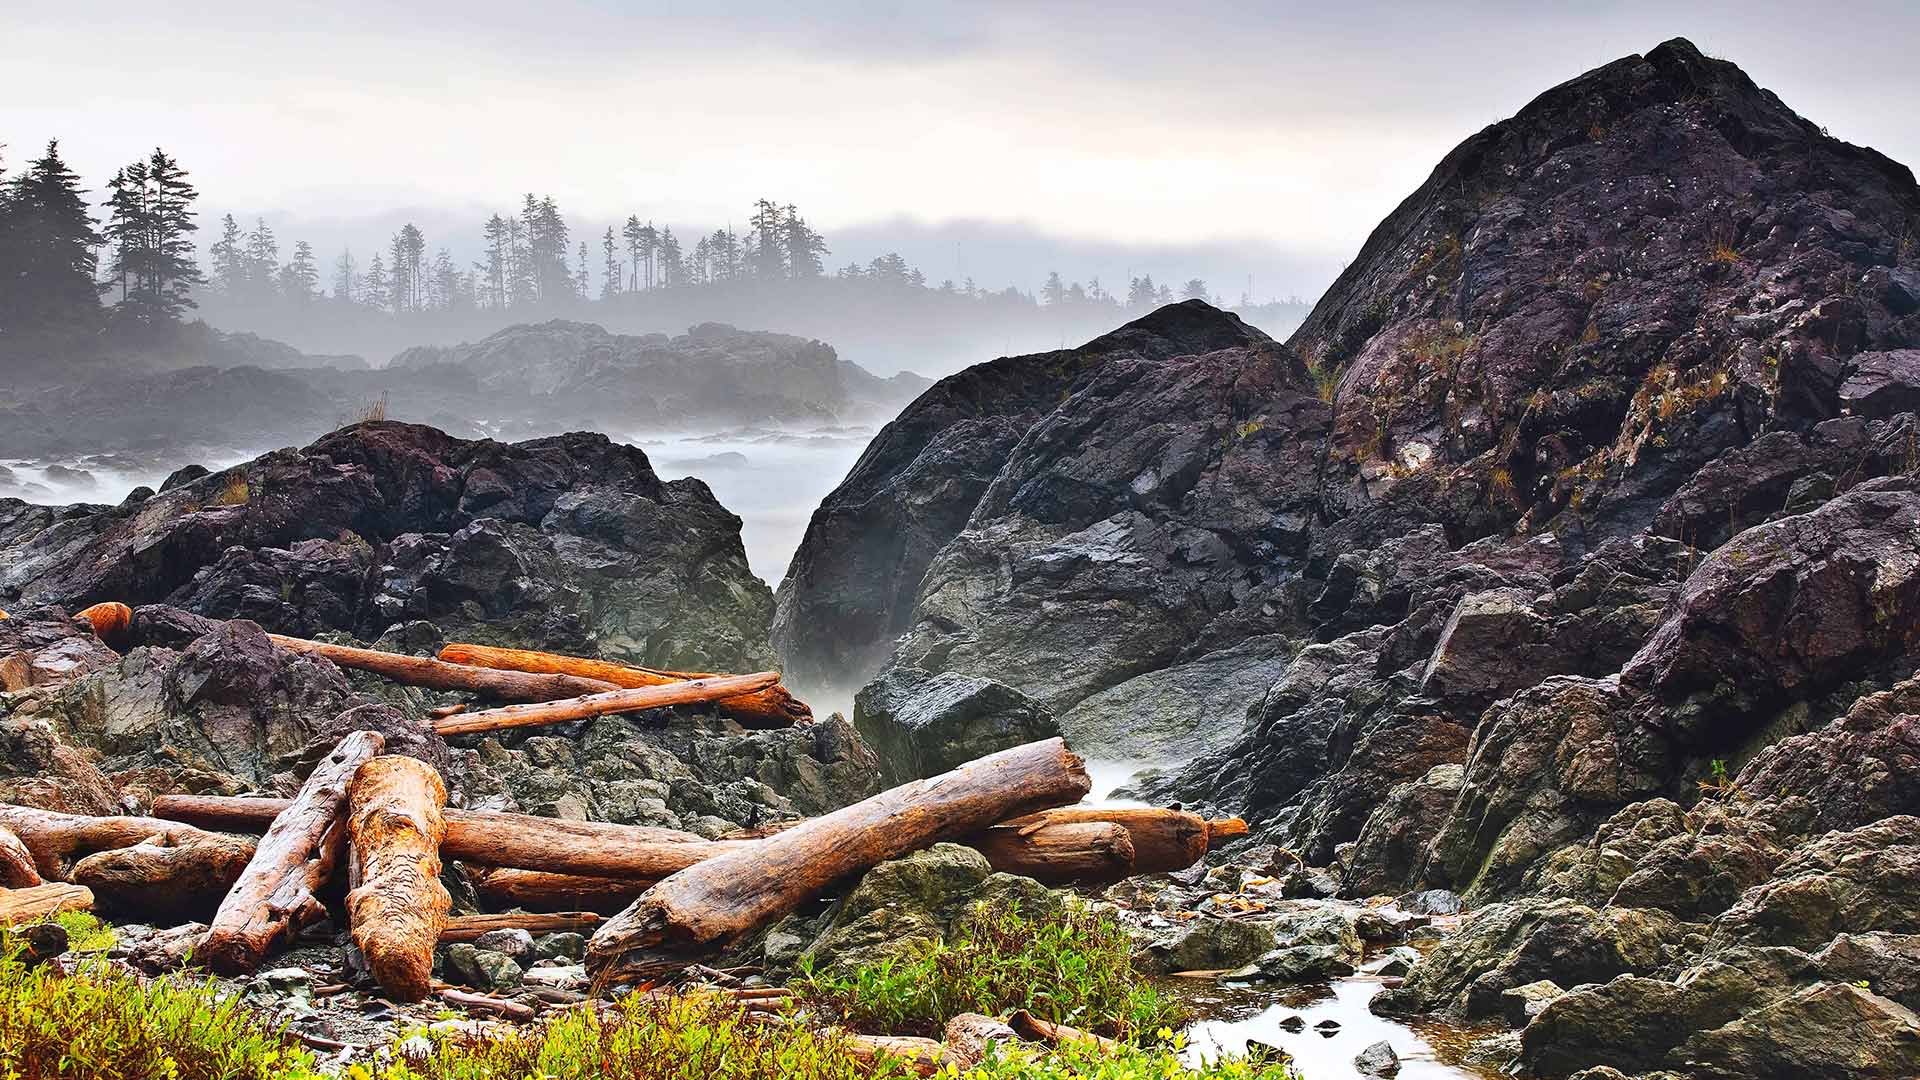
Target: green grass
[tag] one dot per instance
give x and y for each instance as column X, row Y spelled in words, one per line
column 101, row 1024
column 1072, row 967
column 85, row 932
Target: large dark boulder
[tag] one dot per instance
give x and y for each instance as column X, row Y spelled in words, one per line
column 920, row 724
column 570, row 543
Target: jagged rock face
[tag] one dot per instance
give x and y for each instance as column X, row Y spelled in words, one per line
column 571, row 543
column 853, row 582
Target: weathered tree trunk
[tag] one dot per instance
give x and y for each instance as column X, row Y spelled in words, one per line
column 708, row 905
column 969, row 1035
column 1091, row 852
column 501, row 1007
column 160, row 882
column 536, row 890
column 17, row 870
column 554, row 845
column 36, row 902
column 399, row 907
column 468, row 927
column 274, row 896
column 56, row 840
column 614, row 701
column 923, row 1056
column 1033, row 1029
column 439, row 675
column 1163, row 840
column 772, row 707
column 110, row 622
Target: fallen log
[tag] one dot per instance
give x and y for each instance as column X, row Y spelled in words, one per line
column 970, row 1035
column 554, row 845
column 398, row 907
column 501, row 1007
column 923, row 1056
column 537, row 890
column 274, row 896
column 36, row 902
column 57, row 840
column 162, row 882
column 468, row 927
column 440, row 675
column 715, row 902
column 1163, row 840
column 1060, row 853
column 772, row 707
column 17, row 870
column 1033, row 1029
column 694, row 692
column 110, row 622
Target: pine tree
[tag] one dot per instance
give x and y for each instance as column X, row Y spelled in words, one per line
column 229, row 259
column 407, row 270
column 767, row 257
column 262, row 260
column 499, row 240
column 672, row 271
column 804, row 247
column 1195, row 289
column 377, row 292
column 300, row 279
column 48, row 259
column 151, row 219
column 610, row 268
column 580, row 273
column 1054, row 292
column 346, row 278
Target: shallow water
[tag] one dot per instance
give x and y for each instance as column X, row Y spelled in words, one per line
column 1236, row 1015
column 1107, row 776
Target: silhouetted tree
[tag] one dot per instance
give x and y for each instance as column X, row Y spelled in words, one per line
column 1195, row 289
column 151, row 220
column 47, row 249
column 300, row 279
column 1054, row 292
column 610, row 269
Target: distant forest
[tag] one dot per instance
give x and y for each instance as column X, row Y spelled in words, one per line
column 139, row 255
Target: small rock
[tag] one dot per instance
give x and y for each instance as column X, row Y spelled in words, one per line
column 1298, row 963
column 1294, row 1023
column 1377, row 1060
column 42, row 942
column 559, row 977
column 1430, row 902
column 1396, row 962
column 1520, row 1004
column 561, row 946
column 1328, row 1024
column 1209, row 942
column 515, row 943
column 482, row 969
column 286, row 980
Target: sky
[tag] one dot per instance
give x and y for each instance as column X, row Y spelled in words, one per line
column 983, row 138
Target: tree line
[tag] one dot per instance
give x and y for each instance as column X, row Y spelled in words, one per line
column 59, row 261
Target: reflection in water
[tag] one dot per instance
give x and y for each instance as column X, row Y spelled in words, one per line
column 1244, row 1014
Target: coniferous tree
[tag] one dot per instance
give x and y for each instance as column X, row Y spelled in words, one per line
column 767, row 258
column 1195, row 289
column 229, row 259
column 499, row 240
column 580, row 273
column 300, row 279
column 610, row 268
column 672, row 274
column 151, row 221
column 47, row 249
column 346, row 278
column 262, row 255
column 804, row 247
column 376, row 292
column 1054, row 292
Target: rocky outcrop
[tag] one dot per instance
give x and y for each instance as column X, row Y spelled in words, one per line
column 570, row 543
column 920, row 724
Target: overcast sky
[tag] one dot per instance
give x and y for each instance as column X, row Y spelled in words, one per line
column 1272, row 134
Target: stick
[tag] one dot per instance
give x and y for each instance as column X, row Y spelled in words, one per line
column 511, row 1010
column 439, row 675
column 769, row 708
column 35, row 902
column 399, row 907
column 274, row 896
column 468, row 927
column 613, row 701
column 708, row 905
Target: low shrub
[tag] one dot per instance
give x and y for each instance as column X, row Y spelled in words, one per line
column 1072, row 967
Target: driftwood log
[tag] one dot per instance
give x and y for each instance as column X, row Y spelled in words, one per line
column 440, row 675
column 468, row 927
column 1033, row 1029
column 537, row 890
column 164, row 882
column 1060, row 853
column 970, row 1035
column 694, row 692
column 110, row 621
column 56, row 840
column 772, row 707
column 554, row 845
column 923, row 1056
column 274, row 896
column 397, row 907
column 17, row 870
column 36, row 902
column 1163, row 840
column 706, row 906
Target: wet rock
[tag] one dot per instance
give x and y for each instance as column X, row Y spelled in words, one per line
column 900, row 908
column 560, row 946
column 1430, row 902
column 1396, row 962
column 1377, row 1060
column 482, row 969
column 1210, row 943
column 1298, row 964
column 1855, row 881
column 1832, row 1029
column 922, row 724
column 516, row 945
column 1520, row 1004
column 1395, row 839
